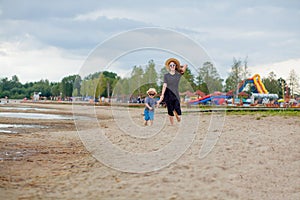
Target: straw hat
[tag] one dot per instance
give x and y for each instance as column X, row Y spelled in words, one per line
column 152, row 90
column 167, row 63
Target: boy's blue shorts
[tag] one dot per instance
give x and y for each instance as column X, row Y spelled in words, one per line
column 149, row 115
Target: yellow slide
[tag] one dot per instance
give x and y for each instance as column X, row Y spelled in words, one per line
column 259, row 84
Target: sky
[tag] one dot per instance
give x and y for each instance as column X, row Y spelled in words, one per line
column 54, row 39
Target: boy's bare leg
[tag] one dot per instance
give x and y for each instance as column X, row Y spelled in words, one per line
column 145, row 123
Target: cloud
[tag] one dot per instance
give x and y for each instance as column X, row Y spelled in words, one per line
column 137, row 47
column 66, row 32
column 32, row 61
column 109, row 14
column 281, row 69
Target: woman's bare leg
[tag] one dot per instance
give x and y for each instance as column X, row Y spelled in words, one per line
column 171, row 120
column 178, row 117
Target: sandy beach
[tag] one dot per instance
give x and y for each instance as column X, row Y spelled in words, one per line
column 255, row 157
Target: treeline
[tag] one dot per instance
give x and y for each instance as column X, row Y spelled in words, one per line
column 105, row 83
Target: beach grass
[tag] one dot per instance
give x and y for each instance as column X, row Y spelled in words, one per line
column 265, row 113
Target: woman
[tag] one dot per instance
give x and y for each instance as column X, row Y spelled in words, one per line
column 170, row 91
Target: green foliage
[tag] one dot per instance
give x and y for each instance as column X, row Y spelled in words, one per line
column 77, row 86
column 55, row 89
column 238, row 73
column 98, row 84
column 140, row 81
column 163, row 71
column 272, row 84
column 66, row 86
column 209, row 79
column 16, row 90
column 187, row 82
column 109, row 84
column 121, row 89
column 265, row 113
column 150, row 77
column 294, row 84
column 101, row 84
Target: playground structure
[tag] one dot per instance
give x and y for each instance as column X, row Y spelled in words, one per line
column 258, row 92
column 217, row 98
column 259, row 86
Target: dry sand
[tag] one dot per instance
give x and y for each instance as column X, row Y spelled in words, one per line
column 255, row 157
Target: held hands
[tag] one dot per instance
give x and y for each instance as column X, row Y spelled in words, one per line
column 160, row 100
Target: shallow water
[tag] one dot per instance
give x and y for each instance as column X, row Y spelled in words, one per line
column 26, row 108
column 21, row 126
column 14, row 155
column 7, row 131
column 4, row 128
column 33, row 115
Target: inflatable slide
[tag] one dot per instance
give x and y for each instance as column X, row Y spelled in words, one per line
column 260, row 87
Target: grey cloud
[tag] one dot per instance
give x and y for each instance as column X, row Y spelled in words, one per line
column 264, row 30
column 67, row 33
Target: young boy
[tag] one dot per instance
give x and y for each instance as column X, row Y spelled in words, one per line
column 150, row 103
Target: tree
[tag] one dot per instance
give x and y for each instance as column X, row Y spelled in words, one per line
column 209, row 76
column 55, row 89
column 101, row 83
column 111, row 79
column 4, row 87
column 187, row 81
column 42, row 86
column 84, row 89
column 238, row 73
column 76, row 86
column 88, row 87
column 293, row 82
column 66, row 86
column 15, row 79
column 271, row 83
column 200, row 84
column 98, row 84
column 163, row 71
column 245, row 70
column 282, row 84
column 136, row 80
column 11, row 88
column 150, row 76
column 121, row 89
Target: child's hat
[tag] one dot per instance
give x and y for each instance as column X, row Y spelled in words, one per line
column 152, row 90
column 167, row 63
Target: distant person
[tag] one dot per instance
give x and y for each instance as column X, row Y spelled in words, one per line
column 150, row 103
column 170, row 89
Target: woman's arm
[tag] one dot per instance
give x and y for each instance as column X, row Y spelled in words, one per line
column 162, row 93
column 183, row 68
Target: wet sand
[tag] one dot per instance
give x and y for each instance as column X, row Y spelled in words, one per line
column 255, row 157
